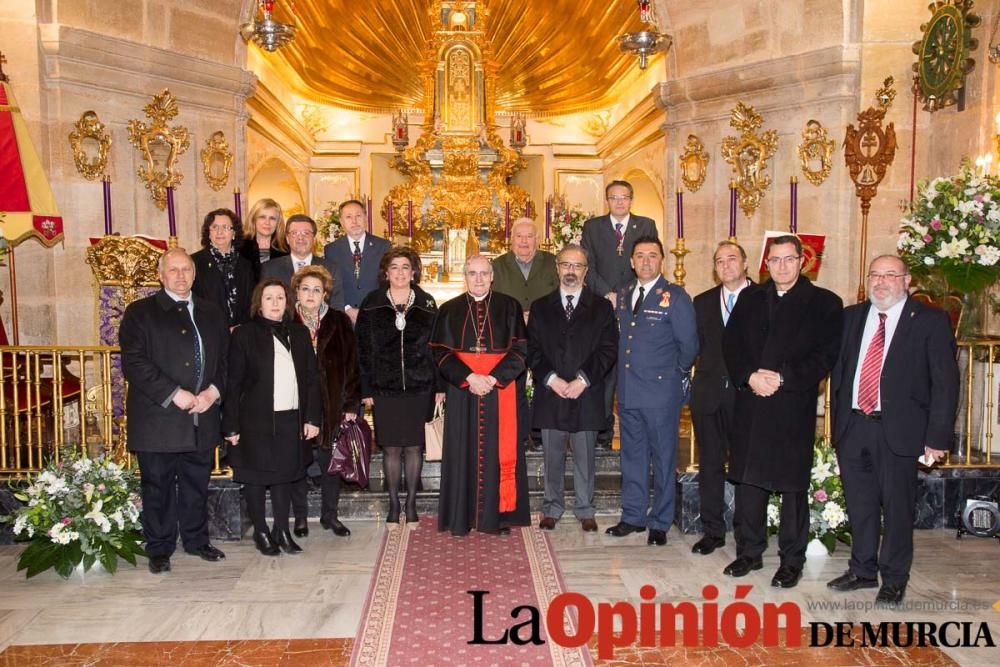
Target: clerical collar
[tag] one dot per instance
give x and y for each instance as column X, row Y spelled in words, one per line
column 783, row 292
column 478, row 298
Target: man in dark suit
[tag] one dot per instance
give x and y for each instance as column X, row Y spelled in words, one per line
column 300, row 231
column 657, row 346
column 572, row 345
column 781, row 340
column 174, row 348
column 894, row 396
column 609, row 240
column 525, row 273
column 357, row 254
column 713, row 396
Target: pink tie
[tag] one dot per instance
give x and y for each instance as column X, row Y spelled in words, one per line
column 871, row 369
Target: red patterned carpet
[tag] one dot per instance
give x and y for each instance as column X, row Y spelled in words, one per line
column 418, row 611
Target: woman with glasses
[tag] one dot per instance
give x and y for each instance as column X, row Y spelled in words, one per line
column 265, row 235
column 222, row 276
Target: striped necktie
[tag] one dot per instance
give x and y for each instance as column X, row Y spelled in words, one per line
column 871, row 369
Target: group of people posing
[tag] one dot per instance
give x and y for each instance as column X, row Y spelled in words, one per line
column 256, row 340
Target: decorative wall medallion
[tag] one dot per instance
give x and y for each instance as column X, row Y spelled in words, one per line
column 816, row 152
column 943, row 53
column 90, row 142
column 217, row 160
column 748, row 155
column 693, row 163
column 160, row 146
column 870, row 149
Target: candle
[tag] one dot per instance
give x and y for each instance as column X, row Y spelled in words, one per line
column 548, row 218
column 506, row 218
column 409, row 217
column 171, row 219
column 680, row 213
column 527, row 208
column 368, row 209
column 732, row 210
column 238, row 204
column 793, row 225
column 390, row 219
column 107, row 205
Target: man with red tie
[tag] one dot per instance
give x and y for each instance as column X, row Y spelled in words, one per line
column 895, row 392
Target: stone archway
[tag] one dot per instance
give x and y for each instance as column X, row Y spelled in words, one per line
column 274, row 178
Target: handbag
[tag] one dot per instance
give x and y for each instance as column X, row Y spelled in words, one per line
column 434, row 434
column 352, row 452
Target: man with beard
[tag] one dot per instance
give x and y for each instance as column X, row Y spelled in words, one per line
column 895, row 392
column 479, row 346
column 781, row 341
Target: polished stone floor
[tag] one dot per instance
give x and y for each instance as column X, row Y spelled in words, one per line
column 320, row 594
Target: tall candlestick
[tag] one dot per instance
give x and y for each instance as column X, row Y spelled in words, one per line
column 409, row 218
column 171, row 219
column 527, row 208
column 390, row 219
column 107, row 205
column 548, row 218
column 238, row 204
column 793, row 224
column 680, row 213
column 506, row 219
column 368, row 210
column 732, row 210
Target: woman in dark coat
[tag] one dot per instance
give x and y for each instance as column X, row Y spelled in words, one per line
column 272, row 409
column 336, row 349
column 264, row 235
column 398, row 375
column 221, row 275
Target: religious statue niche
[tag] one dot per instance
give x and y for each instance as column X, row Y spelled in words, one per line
column 816, row 153
column 216, row 161
column 748, row 155
column 91, row 143
column 159, row 146
column 693, row 163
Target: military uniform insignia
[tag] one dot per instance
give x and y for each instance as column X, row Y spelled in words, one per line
column 665, row 300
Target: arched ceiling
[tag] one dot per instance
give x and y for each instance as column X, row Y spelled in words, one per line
column 553, row 57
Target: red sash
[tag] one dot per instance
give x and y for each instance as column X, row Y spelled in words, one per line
column 483, row 364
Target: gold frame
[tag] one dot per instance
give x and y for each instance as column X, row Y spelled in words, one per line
column 162, row 109
column 816, row 146
column 90, row 127
column 748, row 155
column 216, row 145
column 693, row 163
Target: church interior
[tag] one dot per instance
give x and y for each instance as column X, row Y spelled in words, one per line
column 450, row 119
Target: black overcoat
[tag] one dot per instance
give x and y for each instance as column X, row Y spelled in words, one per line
column 797, row 335
column 208, row 284
column 587, row 343
column 157, row 358
column 250, row 251
column 249, row 408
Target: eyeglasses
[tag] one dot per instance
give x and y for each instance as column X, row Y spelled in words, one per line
column 571, row 265
column 620, row 198
column 877, row 277
column 301, row 232
column 791, row 259
column 220, row 228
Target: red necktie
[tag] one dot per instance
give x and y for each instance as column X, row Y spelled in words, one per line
column 871, row 369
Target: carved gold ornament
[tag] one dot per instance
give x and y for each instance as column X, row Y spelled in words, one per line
column 216, row 161
column 125, row 261
column 160, row 146
column 748, row 155
column 870, row 149
column 943, row 53
column 816, row 152
column 90, row 142
column 693, row 163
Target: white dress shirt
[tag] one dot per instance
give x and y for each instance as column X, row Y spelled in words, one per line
column 871, row 326
column 648, row 286
column 724, row 297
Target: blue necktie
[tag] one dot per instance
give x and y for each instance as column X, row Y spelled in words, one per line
column 730, row 302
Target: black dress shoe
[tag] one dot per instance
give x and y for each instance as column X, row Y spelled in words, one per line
column 505, row 530
column 890, row 596
column 786, row 577
column 262, row 540
column 849, row 582
column 621, row 529
column 301, row 527
column 707, row 545
column 742, row 566
column 159, row 564
column 339, row 529
column 657, row 537
column 284, row 540
column 207, row 552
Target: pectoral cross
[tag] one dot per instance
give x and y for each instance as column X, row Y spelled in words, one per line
column 479, row 348
column 621, row 249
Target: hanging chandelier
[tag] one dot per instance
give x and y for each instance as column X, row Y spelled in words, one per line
column 645, row 43
column 265, row 32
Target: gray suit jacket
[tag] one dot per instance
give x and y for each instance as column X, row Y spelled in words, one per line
column 609, row 271
column 282, row 269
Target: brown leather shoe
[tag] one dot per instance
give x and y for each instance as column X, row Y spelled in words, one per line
column 547, row 523
column 588, row 525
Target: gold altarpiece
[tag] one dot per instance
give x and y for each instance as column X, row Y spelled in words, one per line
column 459, row 170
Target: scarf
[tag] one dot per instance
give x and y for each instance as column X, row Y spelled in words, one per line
column 278, row 329
column 312, row 323
column 227, row 266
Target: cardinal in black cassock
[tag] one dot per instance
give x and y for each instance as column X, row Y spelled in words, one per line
column 479, row 344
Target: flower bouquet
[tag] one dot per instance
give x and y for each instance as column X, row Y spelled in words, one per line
column 79, row 510
column 328, row 223
column 827, row 505
column 951, row 238
column 567, row 225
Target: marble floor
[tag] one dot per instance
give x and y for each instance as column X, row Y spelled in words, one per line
column 320, row 594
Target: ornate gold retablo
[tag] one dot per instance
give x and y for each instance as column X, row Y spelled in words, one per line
column 159, row 146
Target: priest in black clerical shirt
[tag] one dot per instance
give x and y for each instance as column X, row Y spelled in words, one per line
column 479, row 345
